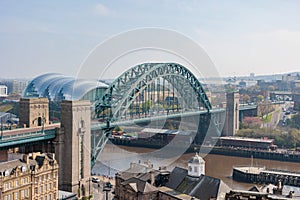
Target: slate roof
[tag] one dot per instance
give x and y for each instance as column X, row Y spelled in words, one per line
column 139, row 185
column 176, row 177
column 203, row 187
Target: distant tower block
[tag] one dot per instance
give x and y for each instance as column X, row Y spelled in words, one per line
column 74, row 147
column 196, row 166
column 231, row 125
column 34, row 112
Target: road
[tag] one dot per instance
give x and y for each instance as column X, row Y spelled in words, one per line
column 276, row 117
column 98, row 192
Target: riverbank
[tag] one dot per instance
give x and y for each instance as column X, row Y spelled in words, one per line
column 284, row 156
column 218, row 166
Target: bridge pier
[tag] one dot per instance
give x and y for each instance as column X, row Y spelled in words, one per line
column 231, row 125
column 73, row 148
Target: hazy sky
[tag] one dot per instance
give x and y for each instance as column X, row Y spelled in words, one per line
column 241, row 37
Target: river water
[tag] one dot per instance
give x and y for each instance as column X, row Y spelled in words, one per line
column 116, row 158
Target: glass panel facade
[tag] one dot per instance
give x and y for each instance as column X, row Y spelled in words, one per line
column 57, row 87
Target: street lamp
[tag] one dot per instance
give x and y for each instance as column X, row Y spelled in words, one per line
column 106, row 190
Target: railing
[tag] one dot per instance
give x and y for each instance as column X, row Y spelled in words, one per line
column 27, row 135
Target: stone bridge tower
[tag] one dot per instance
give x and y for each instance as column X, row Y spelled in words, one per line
column 231, row 125
column 74, row 148
column 34, row 112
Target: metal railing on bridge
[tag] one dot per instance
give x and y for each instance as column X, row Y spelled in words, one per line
column 16, row 137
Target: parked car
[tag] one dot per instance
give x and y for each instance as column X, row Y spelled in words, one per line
column 108, row 184
column 95, row 180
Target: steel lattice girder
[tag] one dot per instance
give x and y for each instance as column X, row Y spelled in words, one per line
column 126, row 87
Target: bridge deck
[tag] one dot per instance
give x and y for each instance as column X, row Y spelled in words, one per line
column 97, row 125
column 10, row 138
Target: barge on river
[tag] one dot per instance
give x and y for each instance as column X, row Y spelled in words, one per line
column 261, row 175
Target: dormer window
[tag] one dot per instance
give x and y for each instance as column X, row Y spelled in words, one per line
column 23, row 169
column 6, row 172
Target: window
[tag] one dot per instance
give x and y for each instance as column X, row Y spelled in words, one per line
column 36, row 191
column 6, row 173
column 23, row 168
column 22, row 193
column 16, row 195
column 17, row 183
column 41, row 189
column 26, row 193
column 190, row 169
column 195, row 169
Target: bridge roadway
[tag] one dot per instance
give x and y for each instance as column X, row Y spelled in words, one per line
column 98, row 126
column 21, row 136
column 247, row 107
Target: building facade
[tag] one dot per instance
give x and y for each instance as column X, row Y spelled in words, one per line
column 33, row 177
column 3, row 91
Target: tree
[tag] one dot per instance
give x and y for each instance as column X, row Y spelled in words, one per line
column 260, row 98
column 146, row 106
column 251, row 122
column 293, row 138
column 271, row 88
column 246, row 98
column 295, row 121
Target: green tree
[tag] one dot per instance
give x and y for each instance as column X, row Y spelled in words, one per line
column 293, row 138
column 146, row 106
column 294, row 122
column 246, row 98
column 271, row 88
column 260, row 98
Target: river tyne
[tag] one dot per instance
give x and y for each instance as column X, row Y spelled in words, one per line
column 218, row 166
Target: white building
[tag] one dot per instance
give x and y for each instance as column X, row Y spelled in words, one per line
column 196, row 166
column 3, row 91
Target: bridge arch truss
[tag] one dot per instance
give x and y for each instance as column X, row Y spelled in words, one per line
column 148, row 90
column 150, row 77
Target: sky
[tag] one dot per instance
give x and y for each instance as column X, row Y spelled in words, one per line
column 240, row 37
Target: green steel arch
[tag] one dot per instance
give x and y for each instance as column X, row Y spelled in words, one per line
column 122, row 92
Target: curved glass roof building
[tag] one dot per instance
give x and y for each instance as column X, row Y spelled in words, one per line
column 58, row 87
